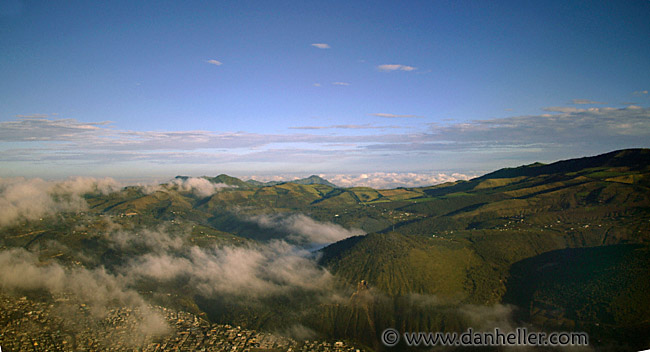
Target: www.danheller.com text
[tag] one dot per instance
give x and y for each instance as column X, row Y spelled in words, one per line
column 520, row 337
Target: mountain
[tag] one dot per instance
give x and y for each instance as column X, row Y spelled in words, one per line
column 632, row 159
column 229, row 180
column 311, row 180
column 566, row 243
column 601, row 200
column 314, row 180
column 398, row 264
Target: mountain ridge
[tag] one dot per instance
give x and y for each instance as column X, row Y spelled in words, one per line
column 429, row 253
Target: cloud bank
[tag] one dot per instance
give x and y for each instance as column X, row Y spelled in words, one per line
column 304, row 229
column 31, row 199
column 42, row 144
column 386, row 180
column 96, row 288
column 198, row 186
column 252, row 272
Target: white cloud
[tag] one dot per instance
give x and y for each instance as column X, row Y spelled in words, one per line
column 387, row 180
column 341, row 83
column 321, row 45
column 392, row 116
column 562, row 109
column 31, row 199
column 199, row 186
column 214, row 62
column 44, row 129
column 154, row 240
column 640, row 92
column 46, row 144
column 484, row 317
column 396, row 67
column 351, row 127
column 377, row 180
column 253, row 272
column 96, row 288
column 585, row 101
column 305, row 229
column 33, row 116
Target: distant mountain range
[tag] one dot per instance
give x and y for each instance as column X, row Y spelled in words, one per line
column 311, row 180
column 567, row 243
column 233, row 181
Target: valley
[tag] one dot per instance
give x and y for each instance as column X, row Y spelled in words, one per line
column 555, row 247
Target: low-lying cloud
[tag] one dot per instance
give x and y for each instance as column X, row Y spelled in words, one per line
column 250, row 272
column 30, row 199
column 386, row 180
column 243, row 275
column 96, row 288
column 198, row 186
column 304, row 229
column 377, row 180
column 151, row 240
column 486, row 318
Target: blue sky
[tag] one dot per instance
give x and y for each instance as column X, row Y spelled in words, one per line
column 139, row 89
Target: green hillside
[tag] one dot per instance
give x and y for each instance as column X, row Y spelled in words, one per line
column 480, row 242
column 566, row 243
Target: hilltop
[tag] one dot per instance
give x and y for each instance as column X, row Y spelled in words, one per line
column 311, row 180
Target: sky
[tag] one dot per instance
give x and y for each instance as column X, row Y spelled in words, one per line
column 404, row 92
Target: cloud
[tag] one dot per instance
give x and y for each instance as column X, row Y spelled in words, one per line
column 99, row 290
column 570, row 127
column 377, row 180
column 30, row 129
column 340, row 83
column 585, row 101
column 153, row 240
column 387, row 180
column 545, row 137
column 33, row 116
column 352, row 127
column 317, row 84
column 300, row 332
column 198, row 186
column 484, row 318
column 30, row 199
column 321, row 45
column 305, row 229
column 253, row 272
column 562, row 109
column 640, row 92
column 214, row 62
column 47, row 145
column 244, row 275
column 392, row 116
column 396, row 67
